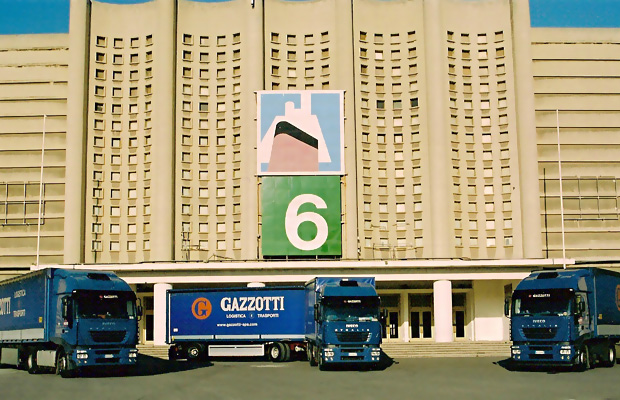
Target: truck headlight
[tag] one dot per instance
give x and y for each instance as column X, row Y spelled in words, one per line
column 133, row 353
column 81, row 354
column 516, row 350
column 328, row 352
column 566, row 350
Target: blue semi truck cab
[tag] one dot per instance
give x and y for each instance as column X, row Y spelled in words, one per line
column 566, row 318
column 66, row 320
column 342, row 321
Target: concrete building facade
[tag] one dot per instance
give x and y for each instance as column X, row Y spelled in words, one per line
column 450, row 192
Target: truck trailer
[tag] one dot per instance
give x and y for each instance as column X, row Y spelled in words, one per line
column 337, row 318
column 235, row 322
column 66, row 320
column 566, row 317
column 342, row 322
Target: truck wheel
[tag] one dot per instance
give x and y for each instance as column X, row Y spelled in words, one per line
column 62, row 365
column 610, row 359
column 321, row 362
column 287, row 352
column 582, row 359
column 275, row 352
column 31, row 362
column 194, row 352
column 310, row 354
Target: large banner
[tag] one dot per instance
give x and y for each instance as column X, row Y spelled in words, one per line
column 301, row 216
column 300, row 132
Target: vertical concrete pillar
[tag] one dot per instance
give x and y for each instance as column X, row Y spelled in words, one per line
column 163, row 146
column 159, row 313
column 79, row 34
column 526, row 127
column 405, row 333
column 442, row 308
column 440, row 242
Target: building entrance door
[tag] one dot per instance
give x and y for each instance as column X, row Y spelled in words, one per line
column 146, row 323
column 421, row 323
column 390, row 329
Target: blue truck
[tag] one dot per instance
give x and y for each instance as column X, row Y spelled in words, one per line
column 342, row 322
column 566, row 317
column 66, row 320
column 274, row 322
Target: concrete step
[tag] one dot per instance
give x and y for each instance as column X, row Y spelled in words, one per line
column 454, row 349
column 153, row 351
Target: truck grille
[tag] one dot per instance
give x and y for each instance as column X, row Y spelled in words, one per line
column 539, row 333
column 353, row 336
column 108, row 336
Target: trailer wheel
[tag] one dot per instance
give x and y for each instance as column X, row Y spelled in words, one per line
column 31, row 362
column 195, row 351
column 610, row 359
column 287, row 352
column 275, row 352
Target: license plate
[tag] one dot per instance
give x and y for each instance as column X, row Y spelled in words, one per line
column 109, row 356
column 539, row 352
column 352, row 354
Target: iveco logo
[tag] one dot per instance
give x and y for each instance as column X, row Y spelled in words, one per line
column 539, row 321
column 352, row 326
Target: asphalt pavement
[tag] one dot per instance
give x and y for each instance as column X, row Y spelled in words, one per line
column 436, row 378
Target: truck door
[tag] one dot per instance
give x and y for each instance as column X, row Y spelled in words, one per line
column 582, row 314
column 66, row 323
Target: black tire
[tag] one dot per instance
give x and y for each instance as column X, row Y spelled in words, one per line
column 195, row 352
column 609, row 359
column 310, row 354
column 275, row 352
column 62, row 365
column 321, row 363
column 31, row 363
column 287, row 352
column 582, row 359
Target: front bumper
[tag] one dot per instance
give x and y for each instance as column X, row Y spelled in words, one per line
column 543, row 353
column 351, row 354
column 95, row 357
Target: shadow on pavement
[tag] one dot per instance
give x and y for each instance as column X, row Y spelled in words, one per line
column 384, row 363
column 510, row 365
column 146, row 366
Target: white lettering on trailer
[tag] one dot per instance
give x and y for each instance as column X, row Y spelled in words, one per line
column 20, row 293
column 5, row 306
column 266, row 303
column 19, row 313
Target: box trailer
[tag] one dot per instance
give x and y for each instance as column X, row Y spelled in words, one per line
column 236, row 322
column 66, row 320
column 566, row 317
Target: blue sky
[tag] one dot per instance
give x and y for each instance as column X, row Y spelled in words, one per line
column 52, row 16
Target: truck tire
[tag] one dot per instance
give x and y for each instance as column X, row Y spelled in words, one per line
column 609, row 359
column 195, row 352
column 582, row 359
column 310, row 354
column 287, row 352
column 275, row 352
column 62, row 365
column 31, row 363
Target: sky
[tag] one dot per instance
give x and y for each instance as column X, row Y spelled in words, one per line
column 52, row 16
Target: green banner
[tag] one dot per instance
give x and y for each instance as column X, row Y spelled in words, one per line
column 301, row 216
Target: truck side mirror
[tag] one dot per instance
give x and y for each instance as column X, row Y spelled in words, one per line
column 67, row 311
column 507, row 307
column 581, row 307
column 317, row 313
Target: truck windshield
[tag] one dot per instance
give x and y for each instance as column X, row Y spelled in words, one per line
column 105, row 305
column 542, row 302
column 349, row 309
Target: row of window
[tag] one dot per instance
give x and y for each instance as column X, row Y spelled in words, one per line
column 119, row 43
column 291, row 39
column 220, row 40
column 380, row 38
column 481, row 38
column 394, row 55
column 119, row 59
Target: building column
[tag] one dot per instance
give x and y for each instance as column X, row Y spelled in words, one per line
column 442, row 308
column 526, row 127
column 440, row 242
column 404, row 311
column 162, row 136
column 159, row 313
column 79, row 29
